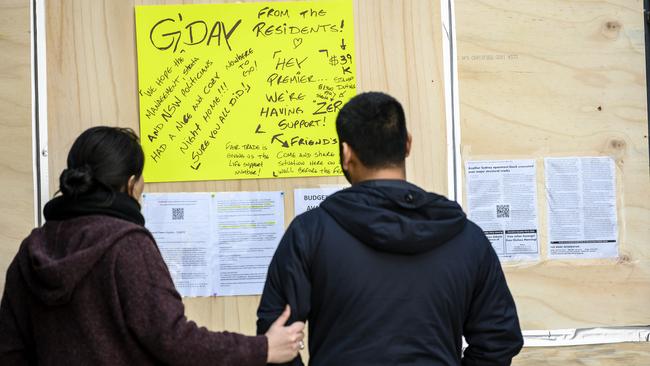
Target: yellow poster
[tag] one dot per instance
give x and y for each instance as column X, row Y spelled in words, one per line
column 240, row 91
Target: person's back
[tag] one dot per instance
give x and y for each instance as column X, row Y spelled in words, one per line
column 388, row 274
column 73, row 287
column 90, row 286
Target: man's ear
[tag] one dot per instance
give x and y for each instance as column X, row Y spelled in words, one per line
column 346, row 155
column 409, row 140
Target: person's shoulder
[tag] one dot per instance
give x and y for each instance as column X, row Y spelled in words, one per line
column 122, row 233
column 311, row 218
column 309, row 227
column 473, row 237
column 124, row 230
column 93, row 231
column 471, row 228
column 137, row 250
column 137, row 236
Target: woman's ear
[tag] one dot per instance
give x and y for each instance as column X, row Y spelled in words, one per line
column 135, row 186
column 130, row 185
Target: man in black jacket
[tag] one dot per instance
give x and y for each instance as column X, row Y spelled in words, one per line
column 384, row 272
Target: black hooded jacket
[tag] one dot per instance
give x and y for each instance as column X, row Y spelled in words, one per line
column 388, row 274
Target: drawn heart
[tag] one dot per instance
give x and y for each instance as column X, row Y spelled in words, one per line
column 297, row 42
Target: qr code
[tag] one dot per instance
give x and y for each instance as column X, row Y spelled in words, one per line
column 503, row 211
column 178, row 213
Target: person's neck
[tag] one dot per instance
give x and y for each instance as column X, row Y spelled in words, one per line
column 392, row 173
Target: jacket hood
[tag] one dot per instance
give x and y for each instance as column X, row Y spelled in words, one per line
column 54, row 258
column 395, row 216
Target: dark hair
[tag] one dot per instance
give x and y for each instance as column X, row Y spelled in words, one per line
column 102, row 158
column 374, row 126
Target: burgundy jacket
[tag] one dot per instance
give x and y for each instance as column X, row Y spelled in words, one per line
column 94, row 290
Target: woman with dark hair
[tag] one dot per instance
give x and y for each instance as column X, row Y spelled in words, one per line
column 90, row 286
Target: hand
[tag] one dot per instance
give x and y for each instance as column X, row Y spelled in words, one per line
column 284, row 342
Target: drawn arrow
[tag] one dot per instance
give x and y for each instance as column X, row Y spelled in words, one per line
column 276, row 137
column 259, row 129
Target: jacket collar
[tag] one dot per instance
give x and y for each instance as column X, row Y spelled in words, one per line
column 98, row 202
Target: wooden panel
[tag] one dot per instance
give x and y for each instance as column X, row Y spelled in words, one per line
column 621, row 354
column 564, row 78
column 16, row 185
column 92, row 80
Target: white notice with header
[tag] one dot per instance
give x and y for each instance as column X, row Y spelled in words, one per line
column 502, row 199
column 305, row 199
column 581, row 196
column 216, row 244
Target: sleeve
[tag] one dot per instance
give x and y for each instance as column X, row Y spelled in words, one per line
column 14, row 348
column 155, row 314
column 288, row 282
column 492, row 327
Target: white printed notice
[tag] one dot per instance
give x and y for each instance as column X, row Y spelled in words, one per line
column 248, row 228
column 305, row 199
column 216, row 244
column 502, row 199
column 181, row 225
column 581, row 196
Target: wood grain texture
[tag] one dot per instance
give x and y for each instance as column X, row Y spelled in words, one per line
column 568, row 62
column 564, row 78
column 92, row 80
column 623, row 354
column 16, row 184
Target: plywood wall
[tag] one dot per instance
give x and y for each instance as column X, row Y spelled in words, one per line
column 562, row 60
column 16, row 184
column 564, row 78
column 620, row 354
column 92, row 80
